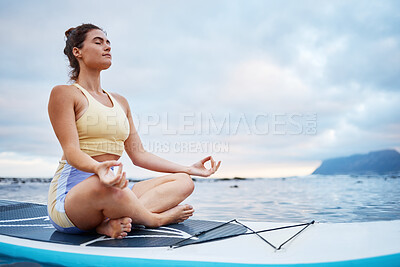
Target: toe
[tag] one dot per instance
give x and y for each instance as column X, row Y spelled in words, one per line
column 127, row 227
column 122, row 235
column 126, row 220
column 187, row 212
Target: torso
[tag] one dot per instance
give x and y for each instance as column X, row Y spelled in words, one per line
column 80, row 106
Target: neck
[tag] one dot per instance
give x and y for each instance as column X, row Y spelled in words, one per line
column 90, row 80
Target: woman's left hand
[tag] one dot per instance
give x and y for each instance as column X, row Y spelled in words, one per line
column 199, row 169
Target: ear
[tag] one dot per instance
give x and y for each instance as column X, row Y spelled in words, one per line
column 77, row 52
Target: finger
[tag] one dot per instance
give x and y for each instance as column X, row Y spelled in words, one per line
column 115, row 182
column 111, row 163
column 108, row 178
column 205, row 159
column 124, row 182
column 216, row 167
column 212, row 163
column 120, row 182
column 120, row 169
column 219, row 164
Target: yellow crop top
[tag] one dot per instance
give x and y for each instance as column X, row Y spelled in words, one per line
column 102, row 129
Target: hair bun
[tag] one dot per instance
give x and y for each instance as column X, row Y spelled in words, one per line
column 69, row 31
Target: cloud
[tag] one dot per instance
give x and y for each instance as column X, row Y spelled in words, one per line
column 338, row 60
column 24, row 124
column 20, row 165
column 258, row 84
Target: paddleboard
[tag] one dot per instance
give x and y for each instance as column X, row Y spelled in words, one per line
column 26, row 233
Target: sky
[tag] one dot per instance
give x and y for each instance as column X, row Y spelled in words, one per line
column 270, row 88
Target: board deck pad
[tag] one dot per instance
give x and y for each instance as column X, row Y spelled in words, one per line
column 31, row 221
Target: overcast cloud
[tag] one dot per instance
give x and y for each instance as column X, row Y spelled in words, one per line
column 271, row 88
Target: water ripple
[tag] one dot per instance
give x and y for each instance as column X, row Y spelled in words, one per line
column 320, row 198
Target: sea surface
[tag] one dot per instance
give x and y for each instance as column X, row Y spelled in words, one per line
column 323, row 198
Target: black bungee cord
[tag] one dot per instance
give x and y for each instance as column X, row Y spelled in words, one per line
column 179, row 243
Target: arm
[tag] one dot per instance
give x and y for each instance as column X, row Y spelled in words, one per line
column 142, row 158
column 61, row 110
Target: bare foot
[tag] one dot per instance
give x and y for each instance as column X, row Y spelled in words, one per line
column 115, row 228
column 177, row 214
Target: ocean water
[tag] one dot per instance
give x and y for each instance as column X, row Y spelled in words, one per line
column 324, row 198
column 328, row 199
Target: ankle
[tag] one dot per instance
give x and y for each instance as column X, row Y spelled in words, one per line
column 156, row 221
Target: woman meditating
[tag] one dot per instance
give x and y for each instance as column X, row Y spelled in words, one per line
column 94, row 127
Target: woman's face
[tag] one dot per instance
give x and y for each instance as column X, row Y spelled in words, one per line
column 95, row 52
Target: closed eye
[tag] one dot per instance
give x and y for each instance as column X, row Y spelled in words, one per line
column 99, row 40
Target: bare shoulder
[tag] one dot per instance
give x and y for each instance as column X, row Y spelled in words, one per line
column 121, row 100
column 62, row 87
column 65, row 96
column 63, row 91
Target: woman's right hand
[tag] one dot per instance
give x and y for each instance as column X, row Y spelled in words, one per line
column 107, row 176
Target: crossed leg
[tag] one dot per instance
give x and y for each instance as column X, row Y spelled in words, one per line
column 165, row 192
column 151, row 203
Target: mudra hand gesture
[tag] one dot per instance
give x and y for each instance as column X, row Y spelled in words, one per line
column 199, row 169
column 108, row 177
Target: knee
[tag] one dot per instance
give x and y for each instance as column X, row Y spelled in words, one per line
column 107, row 193
column 187, row 184
column 96, row 188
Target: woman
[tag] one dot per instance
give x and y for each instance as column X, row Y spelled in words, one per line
column 94, row 127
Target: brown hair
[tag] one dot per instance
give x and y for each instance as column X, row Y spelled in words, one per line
column 74, row 38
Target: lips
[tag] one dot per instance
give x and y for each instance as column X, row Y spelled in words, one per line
column 107, row 55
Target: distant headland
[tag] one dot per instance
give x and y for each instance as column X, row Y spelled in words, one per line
column 379, row 162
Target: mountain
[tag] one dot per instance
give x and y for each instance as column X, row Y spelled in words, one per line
column 380, row 162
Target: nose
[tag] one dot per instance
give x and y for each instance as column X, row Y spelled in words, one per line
column 107, row 48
